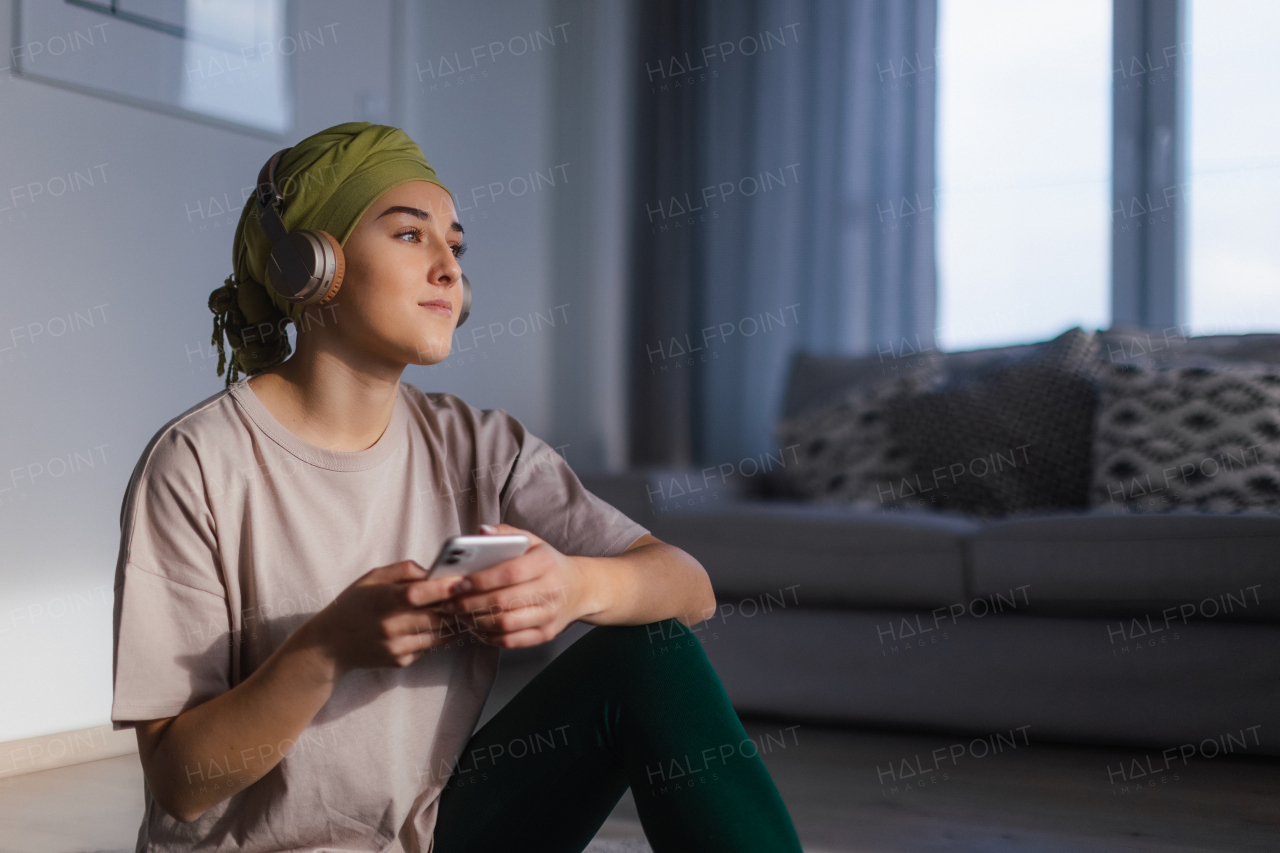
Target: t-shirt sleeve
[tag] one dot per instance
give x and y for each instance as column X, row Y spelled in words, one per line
column 172, row 644
column 543, row 495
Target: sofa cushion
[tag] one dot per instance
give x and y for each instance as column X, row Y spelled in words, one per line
column 1067, row 679
column 1100, row 564
column 645, row 494
column 1013, row 441
column 817, row 380
column 832, row 556
column 1168, row 348
column 814, row 380
column 1188, row 437
column 844, row 452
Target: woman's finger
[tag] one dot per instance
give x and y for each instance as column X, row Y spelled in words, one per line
column 432, row 591
column 538, row 592
column 518, row 639
column 506, row 621
column 421, row 622
column 508, row 530
column 504, row 599
column 530, row 565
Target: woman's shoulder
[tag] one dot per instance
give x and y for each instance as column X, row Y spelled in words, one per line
column 204, row 425
column 441, row 404
column 181, row 449
column 451, row 416
column 205, row 417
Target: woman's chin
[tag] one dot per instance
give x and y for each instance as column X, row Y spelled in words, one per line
column 432, row 350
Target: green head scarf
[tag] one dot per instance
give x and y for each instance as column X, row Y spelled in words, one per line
column 328, row 181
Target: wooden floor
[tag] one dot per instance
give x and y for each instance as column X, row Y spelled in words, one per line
column 1039, row 797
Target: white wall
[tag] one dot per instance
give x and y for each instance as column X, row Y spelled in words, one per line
column 494, row 92
column 138, row 253
column 484, row 128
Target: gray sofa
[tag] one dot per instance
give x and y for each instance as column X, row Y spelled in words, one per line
column 1147, row 630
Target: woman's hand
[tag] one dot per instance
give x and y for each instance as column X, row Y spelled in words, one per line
column 383, row 618
column 526, row 600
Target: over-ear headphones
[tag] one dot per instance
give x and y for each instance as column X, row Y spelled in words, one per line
column 307, row 266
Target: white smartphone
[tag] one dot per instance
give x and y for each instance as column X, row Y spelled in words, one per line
column 462, row 555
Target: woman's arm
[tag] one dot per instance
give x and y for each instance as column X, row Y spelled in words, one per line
column 650, row 581
column 378, row 621
column 245, row 731
column 532, row 598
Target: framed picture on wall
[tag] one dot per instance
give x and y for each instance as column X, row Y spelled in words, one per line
column 223, row 62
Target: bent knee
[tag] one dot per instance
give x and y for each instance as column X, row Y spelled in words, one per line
column 652, row 641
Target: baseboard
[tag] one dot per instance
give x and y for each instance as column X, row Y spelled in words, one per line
column 45, row 752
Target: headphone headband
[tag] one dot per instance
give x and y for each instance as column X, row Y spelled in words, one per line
column 268, row 200
column 267, row 175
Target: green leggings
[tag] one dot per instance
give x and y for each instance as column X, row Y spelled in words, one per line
column 636, row 706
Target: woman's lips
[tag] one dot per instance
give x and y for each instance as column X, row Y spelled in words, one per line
column 441, row 306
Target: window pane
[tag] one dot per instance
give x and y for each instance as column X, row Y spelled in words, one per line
column 1024, row 169
column 234, row 61
column 1233, row 229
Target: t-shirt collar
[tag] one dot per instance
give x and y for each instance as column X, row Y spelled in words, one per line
column 393, row 437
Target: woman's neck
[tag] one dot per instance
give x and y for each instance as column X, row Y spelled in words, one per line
column 336, row 402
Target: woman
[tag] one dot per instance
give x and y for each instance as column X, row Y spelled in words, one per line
column 295, row 679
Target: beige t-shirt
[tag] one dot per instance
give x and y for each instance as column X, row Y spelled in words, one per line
column 234, row 531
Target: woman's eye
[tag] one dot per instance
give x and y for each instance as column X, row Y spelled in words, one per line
column 459, row 249
column 410, row 233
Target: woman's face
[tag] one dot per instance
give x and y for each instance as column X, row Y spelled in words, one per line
column 402, row 291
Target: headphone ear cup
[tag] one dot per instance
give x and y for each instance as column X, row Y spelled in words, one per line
column 339, row 266
column 466, row 302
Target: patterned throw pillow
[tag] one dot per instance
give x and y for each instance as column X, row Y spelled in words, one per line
column 845, row 453
column 1015, row 440
column 1190, row 438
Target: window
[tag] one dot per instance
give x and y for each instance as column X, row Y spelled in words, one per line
column 227, row 62
column 234, row 62
column 1233, row 168
column 1024, row 168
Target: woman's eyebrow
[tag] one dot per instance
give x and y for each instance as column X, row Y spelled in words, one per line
column 421, row 214
column 412, row 211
